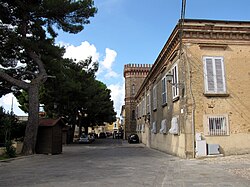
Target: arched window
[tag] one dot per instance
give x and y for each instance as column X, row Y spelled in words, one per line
column 133, row 89
column 133, row 114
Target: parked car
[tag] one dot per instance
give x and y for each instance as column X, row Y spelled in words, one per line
column 108, row 134
column 133, row 138
column 84, row 139
column 102, row 135
column 92, row 137
column 118, row 135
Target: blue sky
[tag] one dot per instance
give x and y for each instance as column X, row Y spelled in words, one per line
column 134, row 31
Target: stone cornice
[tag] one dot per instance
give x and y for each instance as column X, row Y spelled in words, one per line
column 205, row 33
column 216, row 30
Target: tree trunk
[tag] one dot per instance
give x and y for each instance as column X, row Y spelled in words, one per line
column 29, row 143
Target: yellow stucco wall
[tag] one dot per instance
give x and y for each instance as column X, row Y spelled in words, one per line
column 236, row 104
column 203, row 38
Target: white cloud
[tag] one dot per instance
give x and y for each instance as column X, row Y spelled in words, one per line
column 86, row 50
column 109, row 58
column 111, row 74
column 117, row 95
column 82, row 51
column 6, row 102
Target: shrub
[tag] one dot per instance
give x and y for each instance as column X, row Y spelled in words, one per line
column 10, row 150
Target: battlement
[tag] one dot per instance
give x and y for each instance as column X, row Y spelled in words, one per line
column 136, row 69
column 137, row 65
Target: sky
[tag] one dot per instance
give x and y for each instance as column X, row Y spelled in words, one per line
column 134, row 31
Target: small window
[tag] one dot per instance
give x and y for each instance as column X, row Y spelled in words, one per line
column 148, row 104
column 175, row 81
column 216, row 125
column 142, row 128
column 133, row 114
column 137, row 127
column 164, row 91
column 155, row 97
column 137, row 111
column 133, row 89
column 144, row 107
column 214, row 75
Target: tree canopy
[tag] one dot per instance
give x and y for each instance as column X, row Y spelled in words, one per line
column 27, row 32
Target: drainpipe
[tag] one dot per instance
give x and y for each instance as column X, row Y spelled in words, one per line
column 193, row 106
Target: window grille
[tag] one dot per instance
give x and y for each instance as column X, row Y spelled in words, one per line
column 217, row 125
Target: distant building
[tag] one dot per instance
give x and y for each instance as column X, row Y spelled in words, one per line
column 134, row 75
column 22, row 118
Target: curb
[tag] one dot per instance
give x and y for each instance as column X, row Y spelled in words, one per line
column 16, row 158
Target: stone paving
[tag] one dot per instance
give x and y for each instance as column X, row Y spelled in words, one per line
column 114, row 163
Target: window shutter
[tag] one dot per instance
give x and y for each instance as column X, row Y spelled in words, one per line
column 154, row 98
column 219, row 75
column 214, row 75
column 164, row 91
column 175, row 81
column 209, row 73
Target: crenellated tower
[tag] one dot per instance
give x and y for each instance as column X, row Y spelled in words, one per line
column 134, row 75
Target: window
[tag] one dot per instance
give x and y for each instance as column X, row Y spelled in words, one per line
column 164, row 90
column 143, row 107
column 148, row 104
column 214, row 75
column 133, row 89
column 140, row 109
column 137, row 128
column 175, row 81
column 137, row 111
column 133, row 114
column 154, row 97
column 142, row 128
column 216, row 125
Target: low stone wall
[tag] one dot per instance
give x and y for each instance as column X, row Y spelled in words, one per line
column 17, row 145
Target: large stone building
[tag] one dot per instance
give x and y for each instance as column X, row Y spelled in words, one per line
column 194, row 100
column 134, row 75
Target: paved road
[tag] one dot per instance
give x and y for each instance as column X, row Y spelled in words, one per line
column 114, row 163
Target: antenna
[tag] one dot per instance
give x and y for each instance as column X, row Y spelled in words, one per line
column 183, row 11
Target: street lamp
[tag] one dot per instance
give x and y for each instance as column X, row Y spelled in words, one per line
column 169, row 77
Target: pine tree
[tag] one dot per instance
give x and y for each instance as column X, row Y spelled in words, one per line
column 27, row 34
